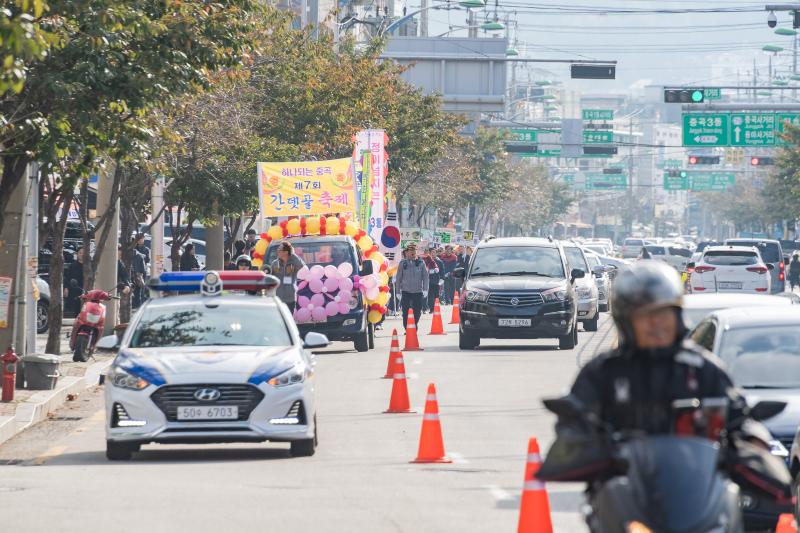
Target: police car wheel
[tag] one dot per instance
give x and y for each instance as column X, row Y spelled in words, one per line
column 361, row 341
column 568, row 341
column 120, row 451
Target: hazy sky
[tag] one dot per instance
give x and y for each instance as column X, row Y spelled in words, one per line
column 658, row 48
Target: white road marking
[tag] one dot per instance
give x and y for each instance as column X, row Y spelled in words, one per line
column 502, row 498
column 458, row 459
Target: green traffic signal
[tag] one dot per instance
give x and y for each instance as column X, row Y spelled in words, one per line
column 697, row 96
column 683, row 174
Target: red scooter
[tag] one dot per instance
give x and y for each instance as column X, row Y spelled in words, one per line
column 88, row 324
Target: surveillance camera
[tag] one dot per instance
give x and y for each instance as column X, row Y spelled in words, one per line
column 772, row 20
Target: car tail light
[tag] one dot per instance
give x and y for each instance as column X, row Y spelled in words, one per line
column 781, row 266
column 703, row 268
column 764, row 289
column 759, row 269
column 781, row 277
column 698, row 288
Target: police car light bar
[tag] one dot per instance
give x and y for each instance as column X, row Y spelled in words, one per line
column 211, row 283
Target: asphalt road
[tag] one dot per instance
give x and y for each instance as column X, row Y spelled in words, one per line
column 55, row 477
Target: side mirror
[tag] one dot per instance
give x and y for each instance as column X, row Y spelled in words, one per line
column 766, row 409
column 577, row 273
column 770, row 266
column 109, row 343
column 458, row 273
column 366, row 268
column 315, row 340
column 599, row 270
column 266, row 269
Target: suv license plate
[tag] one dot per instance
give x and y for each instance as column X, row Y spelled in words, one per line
column 514, row 322
column 730, row 285
column 208, row 412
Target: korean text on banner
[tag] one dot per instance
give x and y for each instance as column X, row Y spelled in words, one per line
column 375, row 142
column 5, row 300
column 306, row 188
column 365, row 190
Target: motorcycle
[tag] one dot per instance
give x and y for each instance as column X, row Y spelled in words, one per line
column 668, row 483
column 88, row 325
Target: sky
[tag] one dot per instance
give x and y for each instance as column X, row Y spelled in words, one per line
column 652, row 46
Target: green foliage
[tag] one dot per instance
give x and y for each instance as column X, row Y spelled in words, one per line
column 21, row 41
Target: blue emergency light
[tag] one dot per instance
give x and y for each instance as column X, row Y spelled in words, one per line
column 212, row 283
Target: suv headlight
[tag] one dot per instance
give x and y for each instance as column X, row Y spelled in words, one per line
column 297, row 374
column 559, row 294
column 476, row 295
column 584, row 292
column 120, row 378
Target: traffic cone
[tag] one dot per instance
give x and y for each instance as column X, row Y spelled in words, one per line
column 534, row 510
column 455, row 318
column 412, row 342
column 394, row 351
column 399, row 402
column 431, row 446
column 437, row 328
column 786, row 524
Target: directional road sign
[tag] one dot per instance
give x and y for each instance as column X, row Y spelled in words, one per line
column 675, row 183
column 600, row 181
column 706, row 129
column 711, row 181
column 598, row 137
column 524, row 134
column 752, row 129
column 598, row 114
column 712, row 94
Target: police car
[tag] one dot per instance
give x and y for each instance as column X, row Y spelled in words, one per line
column 219, row 360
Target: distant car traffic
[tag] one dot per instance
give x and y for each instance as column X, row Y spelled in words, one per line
column 675, row 256
column 631, row 248
column 601, row 279
column 772, row 254
column 211, row 367
column 586, row 288
column 699, row 305
column 730, row 269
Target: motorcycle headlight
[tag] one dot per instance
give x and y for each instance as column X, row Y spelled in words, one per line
column 120, row 378
column 296, row 374
column 559, row 294
column 584, row 292
column 476, row 295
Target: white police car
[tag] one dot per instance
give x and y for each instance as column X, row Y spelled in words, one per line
column 212, row 367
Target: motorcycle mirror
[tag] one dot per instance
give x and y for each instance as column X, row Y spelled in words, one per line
column 766, row 409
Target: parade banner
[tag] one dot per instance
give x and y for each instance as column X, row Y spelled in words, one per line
column 375, row 142
column 390, row 236
column 365, row 190
column 306, row 188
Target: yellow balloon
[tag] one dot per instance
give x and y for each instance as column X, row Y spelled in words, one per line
column 258, row 263
column 293, row 226
column 379, row 257
column 350, row 228
column 383, row 299
column 392, row 271
column 261, row 247
column 275, row 232
column 384, row 278
column 374, row 317
column 312, row 225
column 332, row 226
column 365, row 243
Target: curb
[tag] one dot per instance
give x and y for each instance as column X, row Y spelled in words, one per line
column 41, row 404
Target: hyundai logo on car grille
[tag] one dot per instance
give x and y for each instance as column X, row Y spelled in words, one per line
column 207, row 395
column 514, row 301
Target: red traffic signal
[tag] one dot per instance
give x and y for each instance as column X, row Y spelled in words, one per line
column 692, row 160
column 761, row 161
column 704, row 160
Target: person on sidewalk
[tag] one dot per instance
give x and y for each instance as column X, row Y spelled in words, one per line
column 189, row 260
column 435, row 277
column 794, row 272
column 123, row 276
column 73, row 285
column 450, row 261
column 412, row 282
column 285, row 268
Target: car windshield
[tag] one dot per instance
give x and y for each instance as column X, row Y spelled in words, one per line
column 634, row 242
column 770, row 251
column 655, row 250
column 195, row 324
column 318, row 253
column 763, row 357
column 730, row 258
column 598, row 248
column 693, row 316
column 517, row 260
column 575, row 258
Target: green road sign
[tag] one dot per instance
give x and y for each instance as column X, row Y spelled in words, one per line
column 673, row 163
column 523, row 134
column 706, row 129
column 606, row 182
column 598, row 114
column 597, row 137
column 780, row 121
column 569, row 179
column 752, row 129
column 711, row 181
column 676, row 183
column 712, row 94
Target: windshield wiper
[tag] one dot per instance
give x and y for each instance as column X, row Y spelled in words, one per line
column 771, row 386
column 527, row 273
column 476, row 274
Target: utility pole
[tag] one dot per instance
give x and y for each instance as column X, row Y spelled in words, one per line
column 630, row 176
column 215, row 241
column 423, row 19
column 472, row 23
column 106, row 278
column 32, row 246
column 157, row 229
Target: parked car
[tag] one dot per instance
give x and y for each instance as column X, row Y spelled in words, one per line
column 588, row 295
column 730, row 269
column 42, row 305
column 601, row 279
column 772, row 254
column 699, row 305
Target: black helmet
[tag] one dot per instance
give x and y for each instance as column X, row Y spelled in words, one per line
column 244, row 258
column 645, row 285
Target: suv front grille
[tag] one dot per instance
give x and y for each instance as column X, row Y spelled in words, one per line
column 170, row 397
column 524, row 300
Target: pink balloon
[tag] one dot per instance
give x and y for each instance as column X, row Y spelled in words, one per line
column 303, row 273
column 373, row 293
column 317, row 272
column 331, row 271
column 345, row 285
column 344, row 307
column 332, row 308
column 302, row 315
column 315, row 285
column 332, row 284
column 318, row 300
column 369, row 282
column 345, row 269
column 303, row 301
column 319, row 314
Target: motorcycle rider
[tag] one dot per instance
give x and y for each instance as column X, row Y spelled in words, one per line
column 633, row 386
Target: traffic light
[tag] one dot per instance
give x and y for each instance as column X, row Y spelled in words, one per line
column 759, row 161
column 704, row 160
column 593, row 72
column 677, row 173
column 612, row 170
column 521, row 148
column 684, row 96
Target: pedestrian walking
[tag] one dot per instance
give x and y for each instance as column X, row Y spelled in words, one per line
column 123, row 276
column 73, row 285
column 285, row 268
column 139, row 272
column 435, row 277
column 142, row 248
column 188, row 259
column 794, row 271
column 450, row 262
column 412, row 282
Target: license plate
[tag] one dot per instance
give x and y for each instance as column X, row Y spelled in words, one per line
column 208, row 412
column 514, row 322
column 730, row 285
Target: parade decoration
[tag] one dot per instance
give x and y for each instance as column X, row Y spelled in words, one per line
column 330, row 289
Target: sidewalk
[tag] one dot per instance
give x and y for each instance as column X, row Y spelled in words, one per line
column 30, row 407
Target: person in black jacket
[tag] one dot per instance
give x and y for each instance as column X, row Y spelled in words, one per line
column 123, row 276
column 73, row 285
column 188, row 259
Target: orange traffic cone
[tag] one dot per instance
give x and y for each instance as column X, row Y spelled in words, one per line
column 399, row 402
column 412, row 342
column 455, row 318
column 431, row 446
column 394, row 351
column 534, row 510
column 786, row 524
column 437, row 328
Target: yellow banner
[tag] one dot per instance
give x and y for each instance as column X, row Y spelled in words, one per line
column 306, row 188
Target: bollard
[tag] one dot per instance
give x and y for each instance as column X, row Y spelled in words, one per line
column 9, row 374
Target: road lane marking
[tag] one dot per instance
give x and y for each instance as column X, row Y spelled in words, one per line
column 458, row 458
column 502, row 498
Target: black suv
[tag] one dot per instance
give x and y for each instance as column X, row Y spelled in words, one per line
column 518, row 288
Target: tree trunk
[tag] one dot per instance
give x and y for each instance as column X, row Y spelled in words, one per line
column 56, row 280
column 13, row 171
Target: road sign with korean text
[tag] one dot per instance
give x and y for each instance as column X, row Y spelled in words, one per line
column 706, row 129
column 752, row 129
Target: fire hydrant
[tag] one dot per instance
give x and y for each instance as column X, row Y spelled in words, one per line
column 9, row 360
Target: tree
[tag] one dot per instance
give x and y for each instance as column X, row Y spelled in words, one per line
column 22, row 41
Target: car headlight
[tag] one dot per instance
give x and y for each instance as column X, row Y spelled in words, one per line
column 476, row 295
column 559, row 294
column 778, row 449
column 120, row 378
column 584, row 292
column 297, row 374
